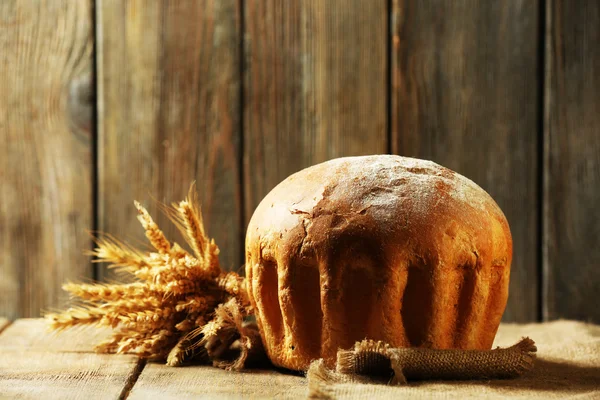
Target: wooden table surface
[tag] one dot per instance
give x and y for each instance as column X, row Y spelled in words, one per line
column 35, row 363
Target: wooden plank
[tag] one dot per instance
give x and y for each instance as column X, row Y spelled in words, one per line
column 45, row 157
column 33, row 334
column 34, row 375
column 567, row 367
column 169, row 113
column 572, row 161
column 192, row 382
column 37, row 364
column 562, row 369
column 315, row 87
column 465, row 94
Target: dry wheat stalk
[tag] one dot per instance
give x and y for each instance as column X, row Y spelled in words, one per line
column 153, row 233
column 164, row 313
column 119, row 254
column 104, row 292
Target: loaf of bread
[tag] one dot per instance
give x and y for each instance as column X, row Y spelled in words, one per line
column 379, row 247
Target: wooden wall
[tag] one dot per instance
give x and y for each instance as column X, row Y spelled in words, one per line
column 106, row 101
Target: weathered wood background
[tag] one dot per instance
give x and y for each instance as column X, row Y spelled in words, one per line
column 106, row 101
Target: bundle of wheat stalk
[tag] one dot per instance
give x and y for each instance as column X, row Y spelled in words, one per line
column 181, row 305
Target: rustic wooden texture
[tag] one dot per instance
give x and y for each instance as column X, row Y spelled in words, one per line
column 33, row 375
column 315, row 87
column 572, row 162
column 193, row 382
column 45, row 151
column 465, row 95
column 32, row 334
column 169, row 113
column 567, row 366
column 464, row 84
column 34, row 364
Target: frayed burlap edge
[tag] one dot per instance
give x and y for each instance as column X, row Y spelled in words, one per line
column 377, row 362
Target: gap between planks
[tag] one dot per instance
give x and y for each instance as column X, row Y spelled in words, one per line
column 43, row 363
column 4, row 323
column 132, row 379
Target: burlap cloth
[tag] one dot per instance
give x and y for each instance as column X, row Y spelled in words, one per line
column 567, row 366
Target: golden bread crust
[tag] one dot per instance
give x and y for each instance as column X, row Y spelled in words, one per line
column 380, row 247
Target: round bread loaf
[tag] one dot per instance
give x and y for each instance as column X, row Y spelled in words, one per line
column 380, row 247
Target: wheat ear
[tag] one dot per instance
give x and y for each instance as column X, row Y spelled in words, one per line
column 153, row 233
column 107, row 292
column 187, row 218
column 119, row 254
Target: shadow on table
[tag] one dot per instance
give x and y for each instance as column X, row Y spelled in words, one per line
column 548, row 375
